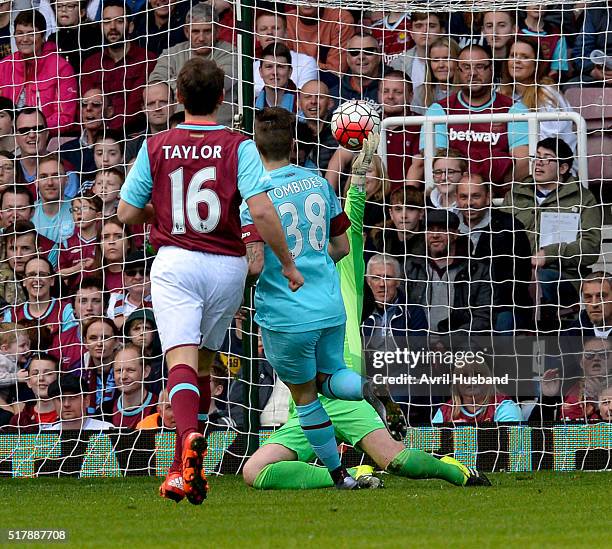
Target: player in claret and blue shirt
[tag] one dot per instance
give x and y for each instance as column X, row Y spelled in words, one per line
column 303, row 332
column 189, row 182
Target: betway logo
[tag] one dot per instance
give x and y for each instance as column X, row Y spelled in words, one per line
column 471, row 135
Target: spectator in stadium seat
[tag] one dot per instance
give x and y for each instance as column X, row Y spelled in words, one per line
column 595, row 34
column 321, row 33
column 140, row 329
column 441, row 74
column 595, row 319
column 392, row 321
column 76, row 37
column 605, row 404
column 402, row 235
column 45, row 309
column 14, row 357
column 160, row 26
column 499, row 152
column 275, row 70
column 158, row 104
column 106, row 185
column 201, row 34
column 425, row 29
column 137, row 283
column 7, row 125
column 392, row 30
column 101, row 339
column 468, row 308
column 501, row 240
column 41, row 373
column 22, row 243
column 365, row 71
column 134, row 402
column 271, row 27
column 553, row 189
column 88, row 301
column 108, row 151
column 36, row 75
column 78, row 256
column 5, row 29
column 16, row 204
column 32, row 138
column 553, row 45
column 115, row 245
column 499, row 31
column 71, row 400
column 218, row 418
column 571, row 399
column 402, row 141
column 315, row 104
column 163, row 418
column 524, row 79
column 474, row 403
column 7, row 171
column 120, row 69
column 78, row 152
column 449, row 166
column 52, row 217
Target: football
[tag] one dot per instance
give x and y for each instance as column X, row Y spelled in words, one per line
column 352, row 122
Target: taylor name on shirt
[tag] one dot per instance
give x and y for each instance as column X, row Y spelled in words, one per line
column 191, row 152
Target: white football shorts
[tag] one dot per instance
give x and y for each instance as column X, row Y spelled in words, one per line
column 195, row 296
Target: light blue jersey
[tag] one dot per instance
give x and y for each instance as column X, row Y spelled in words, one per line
column 310, row 213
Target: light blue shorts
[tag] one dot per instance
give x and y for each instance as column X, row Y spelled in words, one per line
column 298, row 357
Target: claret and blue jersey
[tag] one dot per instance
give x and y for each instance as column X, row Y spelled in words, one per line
column 310, row 214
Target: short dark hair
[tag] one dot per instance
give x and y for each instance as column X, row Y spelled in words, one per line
column 92, row 198
column 274, row 131
column 7, row 106
column 110, row 134
column 117, row 4
column 176, row 119
column 45, row 357
column 400, row 75
column 32, row 110
column 562, row 150
column 106, row 321
column 31, row 18
column 51, row 157
column 18, row 189
column 200, row 84
column 91, row 282
column 21, row 228
column 422, row 15
column 407, row 196
column 277, row 49
column 114, row 171
column 67, row 384
column 483, row 48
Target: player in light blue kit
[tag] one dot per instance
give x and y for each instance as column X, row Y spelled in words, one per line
column 303, row 333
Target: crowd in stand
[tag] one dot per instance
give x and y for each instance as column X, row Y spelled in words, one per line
column 502, row 240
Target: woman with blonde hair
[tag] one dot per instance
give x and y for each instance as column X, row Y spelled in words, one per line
column 525, row 79
column 475, row 402
column 441, row 74
column 377, row 190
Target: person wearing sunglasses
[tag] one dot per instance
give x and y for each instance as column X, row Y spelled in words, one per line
column 365, row 70
column 37, row 75
column 137, row 288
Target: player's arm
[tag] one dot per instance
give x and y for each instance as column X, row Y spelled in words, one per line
column 269, row 227
column 338, row 247
column 134, row 207
column 255, row 256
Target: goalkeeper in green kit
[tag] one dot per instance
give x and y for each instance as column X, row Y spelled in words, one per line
column 284, row 460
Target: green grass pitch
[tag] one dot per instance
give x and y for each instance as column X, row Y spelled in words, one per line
column 521, row 510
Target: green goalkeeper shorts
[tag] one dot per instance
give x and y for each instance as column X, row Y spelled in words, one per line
column 352, row 422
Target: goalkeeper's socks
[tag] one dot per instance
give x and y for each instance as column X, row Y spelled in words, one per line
column 204, row 388
column 343, row 385
column 185, row 398
column 294, row 475
column 418, row 464
column 319, row 432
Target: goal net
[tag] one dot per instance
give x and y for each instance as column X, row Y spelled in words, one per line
column 485, row 302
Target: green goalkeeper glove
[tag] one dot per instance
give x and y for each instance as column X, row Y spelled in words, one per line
column 362, row 163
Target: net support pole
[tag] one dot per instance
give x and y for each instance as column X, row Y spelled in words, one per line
column 246, row 47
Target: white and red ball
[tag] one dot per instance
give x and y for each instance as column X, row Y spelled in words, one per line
column 352, row 122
